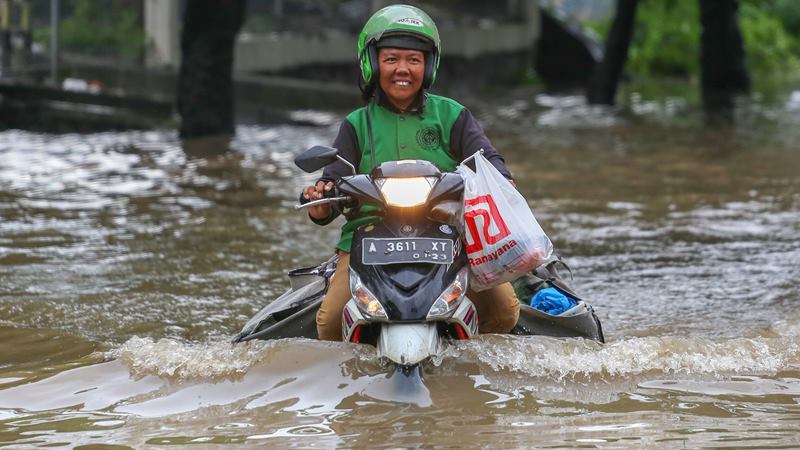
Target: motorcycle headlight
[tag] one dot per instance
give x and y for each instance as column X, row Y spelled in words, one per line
column 366, row 301
column 405, row 192
column 449, row 300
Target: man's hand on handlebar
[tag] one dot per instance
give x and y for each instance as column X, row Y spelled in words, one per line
column 311, row 193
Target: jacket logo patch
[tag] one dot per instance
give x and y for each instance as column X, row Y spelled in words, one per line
column 428, row 138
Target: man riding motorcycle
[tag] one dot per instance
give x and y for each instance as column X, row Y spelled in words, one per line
column 399, row 52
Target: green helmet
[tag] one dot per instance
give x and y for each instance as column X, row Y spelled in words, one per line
column 398, row 26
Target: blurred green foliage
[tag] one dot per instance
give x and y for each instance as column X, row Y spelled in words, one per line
column 769, row 28
column 666, row 39
column 100, row 28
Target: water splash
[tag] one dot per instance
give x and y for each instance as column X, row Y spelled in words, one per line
column 168, row 358
column 535, row 356
column 560, row 359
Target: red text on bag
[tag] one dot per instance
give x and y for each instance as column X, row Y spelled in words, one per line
column 476, row 207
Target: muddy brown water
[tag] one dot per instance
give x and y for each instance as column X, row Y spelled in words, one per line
column 126, row 265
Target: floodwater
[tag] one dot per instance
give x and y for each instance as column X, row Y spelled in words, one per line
column 126, row 266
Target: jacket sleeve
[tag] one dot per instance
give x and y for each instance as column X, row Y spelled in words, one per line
column 467, row 137
column 347, row 144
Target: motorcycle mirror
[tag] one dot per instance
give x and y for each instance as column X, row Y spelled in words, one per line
column 316, row 158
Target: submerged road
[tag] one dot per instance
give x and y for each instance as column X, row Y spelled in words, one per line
column 126, row 266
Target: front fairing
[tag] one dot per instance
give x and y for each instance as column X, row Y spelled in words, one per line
column 407, row 291
column 363, row 191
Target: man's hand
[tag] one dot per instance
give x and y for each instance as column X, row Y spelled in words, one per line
column 317, row 192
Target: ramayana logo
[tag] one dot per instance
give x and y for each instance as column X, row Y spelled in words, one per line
column 483, row 208
column 410, row 21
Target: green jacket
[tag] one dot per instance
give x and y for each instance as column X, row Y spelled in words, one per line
column 438, row 129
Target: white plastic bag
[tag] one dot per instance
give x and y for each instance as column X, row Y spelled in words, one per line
column 503, row 239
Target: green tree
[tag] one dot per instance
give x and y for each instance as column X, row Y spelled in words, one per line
column 666, row 39
column 771, row 48
column 107, row 28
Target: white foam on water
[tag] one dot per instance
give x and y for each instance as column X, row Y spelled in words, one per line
column 7, row 414
column 551, row 359
column 155, row 378
column 169, row 358
column 565, row 359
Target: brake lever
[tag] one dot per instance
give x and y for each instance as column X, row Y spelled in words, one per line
column 322, row 201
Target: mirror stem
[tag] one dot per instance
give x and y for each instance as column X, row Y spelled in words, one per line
column 352, row 167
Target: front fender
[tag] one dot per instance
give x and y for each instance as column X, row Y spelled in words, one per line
column 408, row 343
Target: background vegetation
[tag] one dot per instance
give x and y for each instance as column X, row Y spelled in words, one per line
column 666, row 40
column 110, row 28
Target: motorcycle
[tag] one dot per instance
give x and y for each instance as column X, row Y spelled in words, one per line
column 409, row 271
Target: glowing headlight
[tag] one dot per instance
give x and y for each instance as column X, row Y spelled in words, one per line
column 449, row 300
column 405, row 192
column 365, row 300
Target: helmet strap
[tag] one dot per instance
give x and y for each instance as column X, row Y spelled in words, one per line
column 371, row 138
column 430, row 69
column 372, row 54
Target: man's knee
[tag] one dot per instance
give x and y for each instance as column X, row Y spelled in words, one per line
column 329, row 314
column 498, row 309
column 508, row 313
column 329, row 326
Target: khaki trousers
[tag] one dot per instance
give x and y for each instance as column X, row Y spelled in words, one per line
column 498, row 307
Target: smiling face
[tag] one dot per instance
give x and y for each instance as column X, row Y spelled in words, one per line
column 401, row 71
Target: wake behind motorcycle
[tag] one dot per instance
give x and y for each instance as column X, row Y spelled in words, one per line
column 409, row 271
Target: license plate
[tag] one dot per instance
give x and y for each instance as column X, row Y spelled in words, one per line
column 406, row 250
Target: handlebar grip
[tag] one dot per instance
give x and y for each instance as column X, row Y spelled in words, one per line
column 334, row 192
column 325, row 194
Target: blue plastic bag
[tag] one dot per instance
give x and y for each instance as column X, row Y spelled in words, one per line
column 552, row 301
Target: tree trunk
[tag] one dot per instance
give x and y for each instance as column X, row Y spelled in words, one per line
column 603, row 85
column 724, row 73
column 205, row 84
